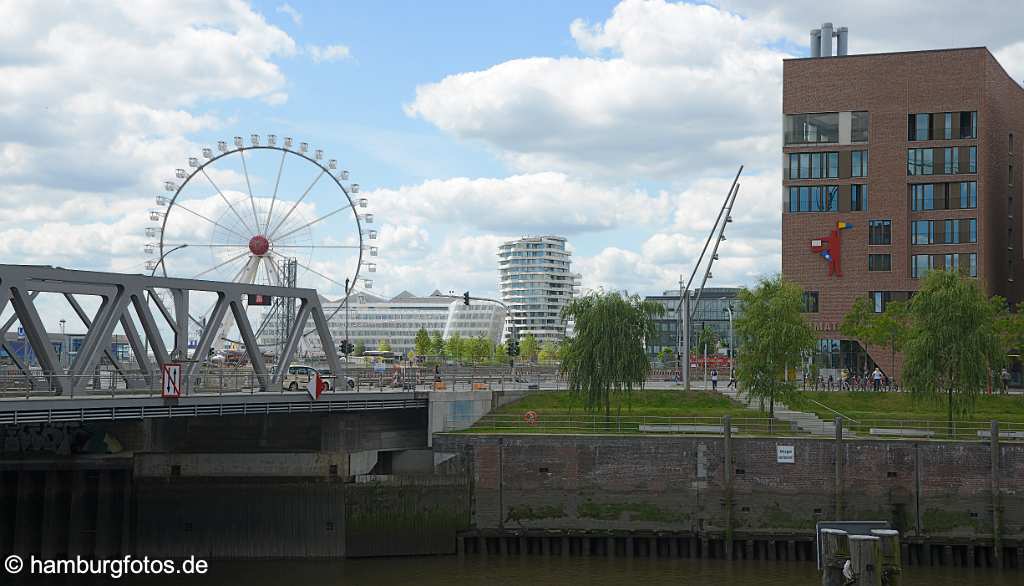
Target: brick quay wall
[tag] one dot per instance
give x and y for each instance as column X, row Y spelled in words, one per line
column 735, row 492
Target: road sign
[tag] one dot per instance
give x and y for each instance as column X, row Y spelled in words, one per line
column 21, row 332
column 170, row 380
column 380, row 367
column 315, row 386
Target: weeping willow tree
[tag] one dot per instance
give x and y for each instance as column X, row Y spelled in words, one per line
column 606, row 355
column 771, row 335
column 954, row 343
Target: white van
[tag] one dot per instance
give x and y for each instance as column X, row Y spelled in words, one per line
column 298, row 376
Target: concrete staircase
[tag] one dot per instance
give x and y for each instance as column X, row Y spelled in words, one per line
column 803, row 421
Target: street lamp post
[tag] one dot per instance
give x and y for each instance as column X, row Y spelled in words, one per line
column 348, row 294
column 63, row 341
column 732, row 351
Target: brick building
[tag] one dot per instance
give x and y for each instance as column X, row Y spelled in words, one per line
column 893, row 165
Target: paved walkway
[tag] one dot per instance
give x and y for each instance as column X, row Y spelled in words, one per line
column 806, row 422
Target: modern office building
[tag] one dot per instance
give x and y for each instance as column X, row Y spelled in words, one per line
column 896, row 164
column 710, row 310
column 373, row 319
column 16, row 349
column 536, row 281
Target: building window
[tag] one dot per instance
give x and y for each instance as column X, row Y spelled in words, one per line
column 879, row 299
column 919, row 127
column 1010, row 141
column 968, row 125
column 922, row 197
column 1011, row 175
column 810, row 302
column 972, row 165
column 858, row 197
column 968, row 195
column 951, row 162
column 813, row 165
column 972, row 230
column 879, row 262
column 952, row 262
column 952, row 232
column 880, row 232
column 832, row 169
column 859, row 127
column 816, row 198
column 919, row 265
column 919, row 162
column 972, row 264
column 922, row 232
column 859, row 164
column 811, row 128
column 947, row 127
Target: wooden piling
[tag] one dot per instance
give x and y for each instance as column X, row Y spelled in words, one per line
column 834, row 554
column 864, row 560
column 891, row 555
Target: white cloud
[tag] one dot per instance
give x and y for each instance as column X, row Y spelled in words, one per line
column 96, row 108
column 545, row 202
column 669, row 90
column 291, row 12
column 327, row 53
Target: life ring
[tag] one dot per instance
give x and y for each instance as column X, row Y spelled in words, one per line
column 324, row 386
column 530, row 417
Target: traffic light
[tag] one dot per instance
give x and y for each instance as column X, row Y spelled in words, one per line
column 513, row 348
column 346, row 347
column 465, row 298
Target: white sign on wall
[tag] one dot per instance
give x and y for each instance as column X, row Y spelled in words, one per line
column 785, row 455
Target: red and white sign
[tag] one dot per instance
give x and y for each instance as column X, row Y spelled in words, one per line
column 170, row 380
column 315, row 386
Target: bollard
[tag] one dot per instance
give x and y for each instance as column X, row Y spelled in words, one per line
column 865, row 560
column 834, row 554
column 891, row 555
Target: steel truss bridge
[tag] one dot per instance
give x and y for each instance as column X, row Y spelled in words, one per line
column 96, row 385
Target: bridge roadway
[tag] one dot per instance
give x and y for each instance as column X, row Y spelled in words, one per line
column 52, row 409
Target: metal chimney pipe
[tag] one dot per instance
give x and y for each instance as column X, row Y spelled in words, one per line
column 826, row 39
column 816, row 42
column 842, row 34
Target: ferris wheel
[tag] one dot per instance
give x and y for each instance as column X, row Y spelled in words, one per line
column 265, row 214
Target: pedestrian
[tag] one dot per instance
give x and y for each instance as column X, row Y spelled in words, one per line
column 831, row 381
column 437, row 374
column 714, row 379
column 732, row 380
column 1005, row 377
column 876, row 378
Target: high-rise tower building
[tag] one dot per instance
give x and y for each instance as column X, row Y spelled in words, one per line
column 536, row 283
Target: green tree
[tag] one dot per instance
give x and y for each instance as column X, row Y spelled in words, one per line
column 384, row 346
column 954, row 343
column 455, row 347
column 607, row 355
column 529, row 348
column 889, row 328
column 772, row 334
column 421, row 343
column 708, row 337
column 501, row 354
column 437, row 344
column 666, row 355
column 360, row 348
column 548, row 352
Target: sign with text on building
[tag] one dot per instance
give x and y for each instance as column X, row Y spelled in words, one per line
column 785, row 454
column 170, row 379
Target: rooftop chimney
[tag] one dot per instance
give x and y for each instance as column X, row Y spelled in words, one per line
column 821, row 40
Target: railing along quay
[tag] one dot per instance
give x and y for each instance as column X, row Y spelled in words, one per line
column 588, row 423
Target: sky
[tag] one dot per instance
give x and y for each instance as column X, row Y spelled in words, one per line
column 618, row 125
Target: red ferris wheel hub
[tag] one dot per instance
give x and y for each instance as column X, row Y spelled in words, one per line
column 259, row 245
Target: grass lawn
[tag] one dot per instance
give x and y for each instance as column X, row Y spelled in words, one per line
column 674, row 403
column 870, row 405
